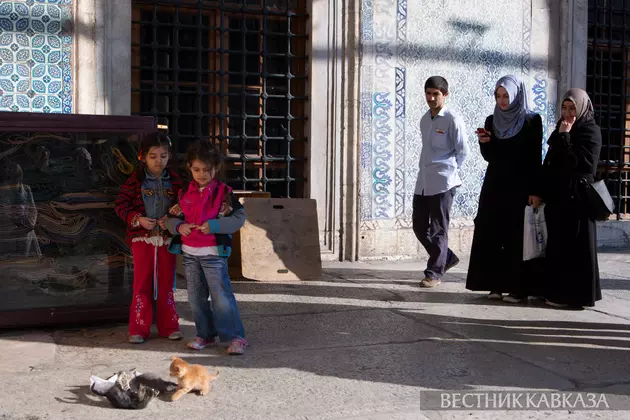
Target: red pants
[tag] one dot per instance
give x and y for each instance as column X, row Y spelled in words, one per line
column 141, row 312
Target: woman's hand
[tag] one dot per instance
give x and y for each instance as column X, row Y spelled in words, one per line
column 482, row 135
column 186, row 228
column 535, row 201
column 147, row 222
column 565, row 125
column 162, row 222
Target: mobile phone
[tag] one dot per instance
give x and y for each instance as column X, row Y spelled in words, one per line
column 481, row 130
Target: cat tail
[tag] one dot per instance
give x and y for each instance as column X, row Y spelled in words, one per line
column 214, row 376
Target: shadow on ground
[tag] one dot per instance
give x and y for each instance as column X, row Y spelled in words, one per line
column 354, row 325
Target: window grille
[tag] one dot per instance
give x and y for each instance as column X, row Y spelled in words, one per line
column 608, row 85
column 233, row 71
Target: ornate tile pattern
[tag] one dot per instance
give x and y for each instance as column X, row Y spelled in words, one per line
column 379, row 201
column 36, row 56
column 399, row 150
column 406, row 41
column 366, row 23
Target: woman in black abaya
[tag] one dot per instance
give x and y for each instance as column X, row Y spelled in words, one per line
column 572, row 271
column 511, row 143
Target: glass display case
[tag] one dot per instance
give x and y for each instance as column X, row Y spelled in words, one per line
column 63, row 254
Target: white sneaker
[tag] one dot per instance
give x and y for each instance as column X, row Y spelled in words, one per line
column 495, row 296
column 176, row 335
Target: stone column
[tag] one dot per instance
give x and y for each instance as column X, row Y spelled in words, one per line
column 333, row 129
column 103, row 57
column 573, row 44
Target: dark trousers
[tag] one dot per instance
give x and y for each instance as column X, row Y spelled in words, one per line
column 431, row 217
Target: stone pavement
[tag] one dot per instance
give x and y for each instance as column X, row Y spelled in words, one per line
column 360, row 343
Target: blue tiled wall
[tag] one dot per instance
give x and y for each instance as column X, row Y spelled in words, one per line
column 36, row 56
column 406, row 41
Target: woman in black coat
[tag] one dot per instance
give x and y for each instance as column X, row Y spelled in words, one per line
column 572, row 271
column 511, row 143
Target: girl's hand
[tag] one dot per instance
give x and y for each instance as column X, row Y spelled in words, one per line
column 204, row 228
column 147, row 223
column 176, row 210
column 162, row 222
column 186, row 228
column 565, row 125
column 535, row 201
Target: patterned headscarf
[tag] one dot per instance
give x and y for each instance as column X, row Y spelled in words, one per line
column 509, row 122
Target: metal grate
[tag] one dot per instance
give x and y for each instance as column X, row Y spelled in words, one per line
column 608, row 85
column 233, row 71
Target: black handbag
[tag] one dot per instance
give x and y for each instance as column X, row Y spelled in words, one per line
column 597, row 200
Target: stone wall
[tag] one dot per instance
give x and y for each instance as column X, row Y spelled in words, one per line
column 403, row 43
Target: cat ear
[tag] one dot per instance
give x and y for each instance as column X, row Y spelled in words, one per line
column 174, row 357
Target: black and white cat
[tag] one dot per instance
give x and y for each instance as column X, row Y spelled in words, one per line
column 130, row 390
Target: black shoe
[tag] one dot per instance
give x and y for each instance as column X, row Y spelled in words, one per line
column 452, row 264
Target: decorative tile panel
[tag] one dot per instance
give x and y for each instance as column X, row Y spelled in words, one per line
column 380, row 199
column 406, row 41
column 36, row 56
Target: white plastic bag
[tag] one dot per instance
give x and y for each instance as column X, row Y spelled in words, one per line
column 534, row 233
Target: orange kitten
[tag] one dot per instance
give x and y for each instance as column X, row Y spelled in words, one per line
column 190, row 378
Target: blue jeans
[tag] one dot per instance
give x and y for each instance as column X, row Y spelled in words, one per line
column 210, row 296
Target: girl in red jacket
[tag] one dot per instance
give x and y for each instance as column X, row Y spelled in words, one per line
column 143, row 204
column 206, row 244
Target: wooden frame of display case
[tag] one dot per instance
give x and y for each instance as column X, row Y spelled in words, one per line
column 70, row 124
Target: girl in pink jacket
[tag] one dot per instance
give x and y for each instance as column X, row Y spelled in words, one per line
column 211, row 214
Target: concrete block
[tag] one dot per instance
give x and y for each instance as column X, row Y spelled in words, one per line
column 386, row 243
column 613, row 234
column 366, row 243
column 453, row 240
column 407, row 243
column 465, row 239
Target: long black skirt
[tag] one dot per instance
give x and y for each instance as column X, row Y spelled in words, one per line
column 496, row 256
column 571, row 269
